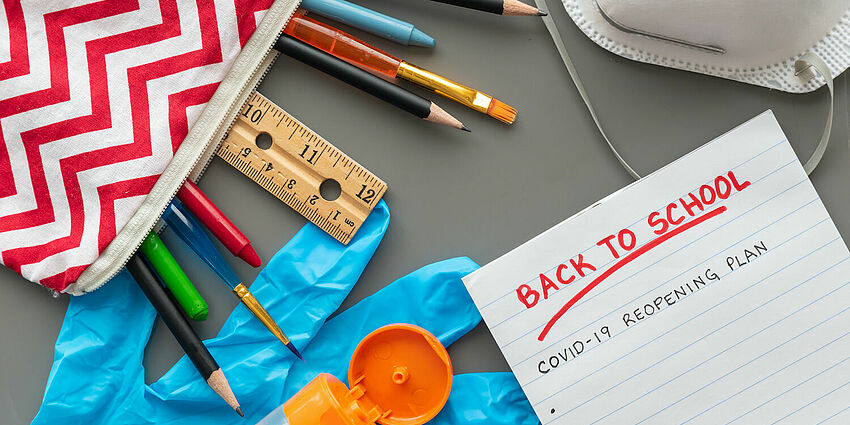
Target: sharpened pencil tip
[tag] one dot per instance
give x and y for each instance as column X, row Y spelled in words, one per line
column 239, row 411
column 542, row 13
column 463, row 127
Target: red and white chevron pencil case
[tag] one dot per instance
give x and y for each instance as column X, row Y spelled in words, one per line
column 106, row 107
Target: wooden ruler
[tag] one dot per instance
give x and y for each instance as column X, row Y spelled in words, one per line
column 292, row 162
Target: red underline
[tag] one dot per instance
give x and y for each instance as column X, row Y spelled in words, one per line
column 626, row 260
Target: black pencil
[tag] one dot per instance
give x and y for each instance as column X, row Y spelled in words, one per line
column 499, row 7
column 179, row 326
column 376, row 86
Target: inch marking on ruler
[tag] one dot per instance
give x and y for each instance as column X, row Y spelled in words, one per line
column 296, row 164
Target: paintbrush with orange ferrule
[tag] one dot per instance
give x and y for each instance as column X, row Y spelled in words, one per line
column 349, row 48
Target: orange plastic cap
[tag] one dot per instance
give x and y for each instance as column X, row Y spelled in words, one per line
column 404, row 372
column 399, row 375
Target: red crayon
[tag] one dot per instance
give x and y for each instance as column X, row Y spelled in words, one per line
column 218, row 223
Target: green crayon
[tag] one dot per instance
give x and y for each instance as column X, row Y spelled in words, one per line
column 174, row 277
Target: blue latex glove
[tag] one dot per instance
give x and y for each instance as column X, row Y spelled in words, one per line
column 98, row 378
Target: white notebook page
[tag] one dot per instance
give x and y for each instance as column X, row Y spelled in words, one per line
column 728, row 306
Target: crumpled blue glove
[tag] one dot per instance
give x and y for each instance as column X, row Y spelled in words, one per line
column 98, row 378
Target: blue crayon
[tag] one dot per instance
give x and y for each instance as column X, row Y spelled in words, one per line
column 370, row 21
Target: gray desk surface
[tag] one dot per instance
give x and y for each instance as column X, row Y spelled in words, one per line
column 452, row 193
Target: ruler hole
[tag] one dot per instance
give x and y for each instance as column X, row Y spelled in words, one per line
column 330, row 190
column 264, row 141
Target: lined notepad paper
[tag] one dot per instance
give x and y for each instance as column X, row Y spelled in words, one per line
column 714, row 291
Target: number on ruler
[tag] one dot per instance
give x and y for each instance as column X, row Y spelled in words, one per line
column 366, row 195
column 312, row 156
column 255, row 116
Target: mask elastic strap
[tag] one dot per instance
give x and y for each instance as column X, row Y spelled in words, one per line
column 803, row 67
column 559, row 44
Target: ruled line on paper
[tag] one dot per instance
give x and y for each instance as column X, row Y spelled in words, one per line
column 836, row 414
column 833, row 366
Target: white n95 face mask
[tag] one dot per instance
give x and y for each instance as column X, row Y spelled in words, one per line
column 790, row 45
column 752, row 41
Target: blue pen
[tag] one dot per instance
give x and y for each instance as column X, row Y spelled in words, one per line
column 186, row 226
column 370, row 21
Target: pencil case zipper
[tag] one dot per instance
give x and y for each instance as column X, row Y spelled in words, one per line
column 195, row 153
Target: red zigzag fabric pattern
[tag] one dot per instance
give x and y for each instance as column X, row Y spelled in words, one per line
column 95, row 98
